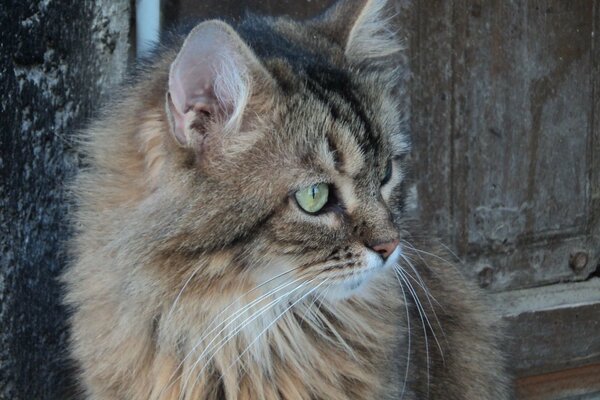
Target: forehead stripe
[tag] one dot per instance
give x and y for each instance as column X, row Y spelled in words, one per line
column 324, row 80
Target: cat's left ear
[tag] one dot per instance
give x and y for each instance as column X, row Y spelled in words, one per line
column 364, row 28
column 210, row 84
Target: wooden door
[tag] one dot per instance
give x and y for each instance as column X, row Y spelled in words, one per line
column 505, row 124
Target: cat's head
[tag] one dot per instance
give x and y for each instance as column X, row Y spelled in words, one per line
column 289, row 139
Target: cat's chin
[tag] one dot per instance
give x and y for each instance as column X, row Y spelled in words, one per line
column 357, row 284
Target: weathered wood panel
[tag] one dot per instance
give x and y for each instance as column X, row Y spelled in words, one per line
column 430, row 46
column 506, row 134
column 552, row 328
column 505, row 166
column 573, row 384
column 177, row 11
column 594, row 145
column 526, row 118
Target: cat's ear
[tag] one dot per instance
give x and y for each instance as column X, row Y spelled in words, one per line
column 210, row 83
column 364, row 28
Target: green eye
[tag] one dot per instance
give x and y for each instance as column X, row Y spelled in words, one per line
column 313, row 198
column 388, row 173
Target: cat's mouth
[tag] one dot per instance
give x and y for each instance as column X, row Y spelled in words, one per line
column 349, row 283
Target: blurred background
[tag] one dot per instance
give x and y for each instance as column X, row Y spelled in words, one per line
column 505, row 120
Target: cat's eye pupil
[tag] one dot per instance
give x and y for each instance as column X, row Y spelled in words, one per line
column 313, row 198
column 388, row 173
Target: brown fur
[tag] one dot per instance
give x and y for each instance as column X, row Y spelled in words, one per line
column 173, row 238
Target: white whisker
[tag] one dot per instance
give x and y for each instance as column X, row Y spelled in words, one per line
column 419, row 281
column 427, row 295
column 181, row 292
column 339, row 337
column 409, row 338
column 426, row 317
column 275, row 320
column 318, row 318
column 419, row 309
column 231, row 318
column 452, row 253
column 236, row 330
column 215, row 318
column 308, row 308
column 450, row 263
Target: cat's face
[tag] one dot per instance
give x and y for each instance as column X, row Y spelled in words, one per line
column 338, row 183
column 299, row 163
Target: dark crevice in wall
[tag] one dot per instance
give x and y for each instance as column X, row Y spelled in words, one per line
column 595, row 273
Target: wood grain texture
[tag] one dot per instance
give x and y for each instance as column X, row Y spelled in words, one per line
column 502, row 122
column 552, row 328
column 177, row 11
column 431, row 58
column 523, row 180
column 577, row 383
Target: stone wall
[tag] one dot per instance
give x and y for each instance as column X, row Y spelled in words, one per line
column 58, row 59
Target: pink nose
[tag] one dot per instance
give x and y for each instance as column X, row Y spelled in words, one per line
column 386, row 248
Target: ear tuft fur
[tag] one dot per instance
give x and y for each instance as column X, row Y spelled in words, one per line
column 372, row 35
column 364, row 28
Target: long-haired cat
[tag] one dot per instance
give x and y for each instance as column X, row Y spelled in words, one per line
column 241, row 231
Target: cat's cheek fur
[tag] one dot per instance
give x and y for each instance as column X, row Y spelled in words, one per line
column 357, row 283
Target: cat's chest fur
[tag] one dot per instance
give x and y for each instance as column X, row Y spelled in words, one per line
column 267, row 352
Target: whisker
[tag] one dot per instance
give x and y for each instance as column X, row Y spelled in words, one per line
column 318, row 316
column 232, row 318
column 215, row 318
column 406, row 257
column 238, row 329
column 427, row 294
column 181, row 291
column 409, row 337
column 275, row 320
column 308, row 308
column 321, row 299
column 449, row 250
column 339, row 337
column 221, row 342
column 417, row 303
column 424, row 313
column 426, row 290
column 240, row 312
column 447, row 262
column 419, row 281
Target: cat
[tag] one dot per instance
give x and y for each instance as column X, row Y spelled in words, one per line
column 242, row 231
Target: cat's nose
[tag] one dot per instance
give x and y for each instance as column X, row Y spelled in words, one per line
column 385, row 248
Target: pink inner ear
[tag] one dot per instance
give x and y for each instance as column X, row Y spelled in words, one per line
column 191, row 84
column 209, row 77
column 199, row 63
column 182, row 121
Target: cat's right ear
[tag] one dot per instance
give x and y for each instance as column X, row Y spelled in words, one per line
column 210, row 83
